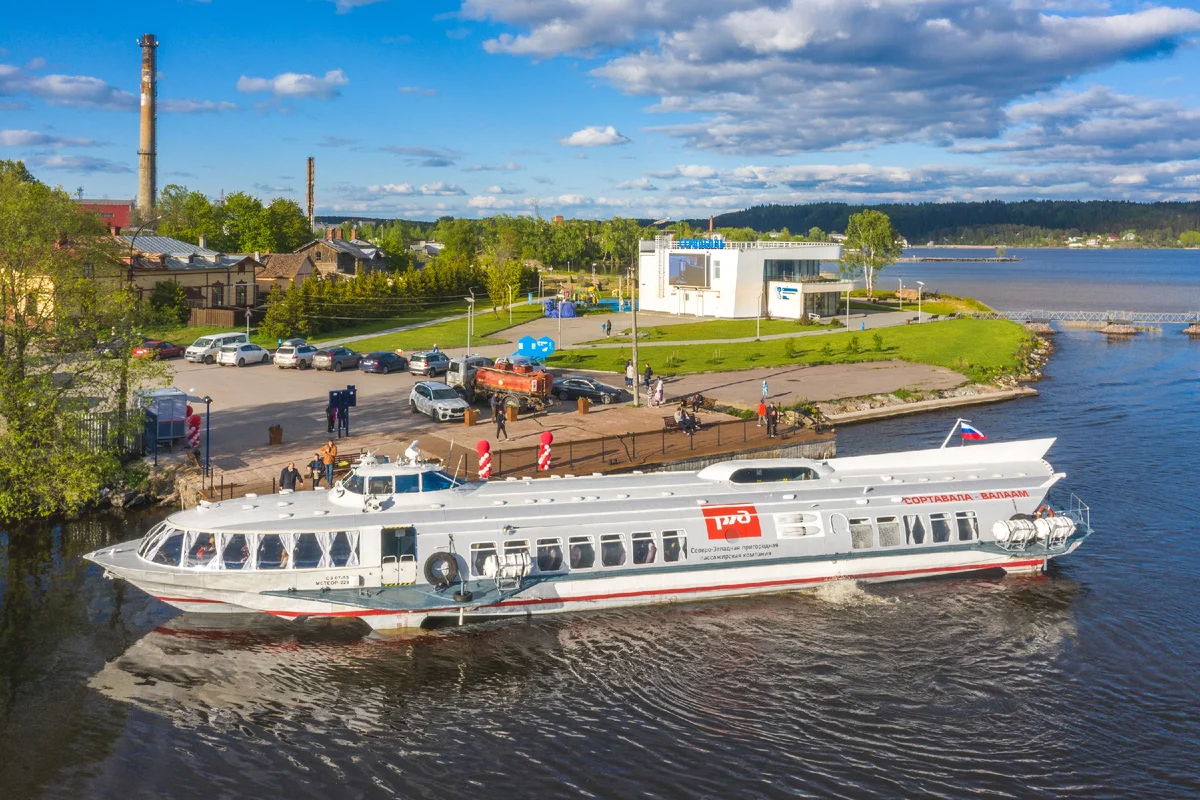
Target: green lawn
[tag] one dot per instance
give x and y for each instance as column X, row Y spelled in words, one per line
column 453, row 333
column 711, row 329
column 944, row 304
column 187, row 335
column 977, row 348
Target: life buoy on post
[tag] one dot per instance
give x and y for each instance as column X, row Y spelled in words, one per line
column 1044, row 511
column 441, row 569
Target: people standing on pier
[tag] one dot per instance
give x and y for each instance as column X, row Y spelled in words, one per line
column 318, row 469
column 500, row 429
column 328, row 457
column 289, row 476
column 658, row 392
column 608, row 328
column 494, row 404
column 330, row 418
column 647, row 376
column 764, row 390
column 629, row 374
column 762, row 413
column 772, row 421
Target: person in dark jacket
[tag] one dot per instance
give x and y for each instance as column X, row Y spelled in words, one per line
column 289, row 477
column 647, row 376
column 495, row 405
column 772, row 420
column 330, row 418
column 500, row 429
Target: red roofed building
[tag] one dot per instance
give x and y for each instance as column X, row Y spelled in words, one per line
column 116, row 213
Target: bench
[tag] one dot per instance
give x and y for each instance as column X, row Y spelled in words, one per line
column 669, row 424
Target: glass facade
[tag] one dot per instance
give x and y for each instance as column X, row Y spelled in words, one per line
column 784, row 269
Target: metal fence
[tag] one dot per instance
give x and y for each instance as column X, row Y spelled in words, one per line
column 633, row 450
column 102, row 430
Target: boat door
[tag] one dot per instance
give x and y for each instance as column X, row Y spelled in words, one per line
column 840, row 526
column 399, row 550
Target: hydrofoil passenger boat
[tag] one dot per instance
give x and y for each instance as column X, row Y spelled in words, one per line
column 399, row 543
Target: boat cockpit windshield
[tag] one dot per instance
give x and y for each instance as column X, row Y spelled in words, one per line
column 772, row 474
column 411, row 483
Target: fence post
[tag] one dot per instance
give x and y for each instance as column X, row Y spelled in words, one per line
column 663, row 434
column 571, row 453
column 718, row 434
column 633, row 445
column 743, row 430
column 499, row 462
column 602, row 457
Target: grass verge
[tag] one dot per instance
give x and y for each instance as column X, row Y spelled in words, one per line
column 452, row 333
column 982, row 350
column 712, row 329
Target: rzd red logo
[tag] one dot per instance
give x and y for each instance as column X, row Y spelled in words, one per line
column 732, row 522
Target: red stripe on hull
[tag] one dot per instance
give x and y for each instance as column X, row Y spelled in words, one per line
column 375, row 612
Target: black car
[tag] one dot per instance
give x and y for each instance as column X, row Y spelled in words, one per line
column 577, row 386
column 383, row 362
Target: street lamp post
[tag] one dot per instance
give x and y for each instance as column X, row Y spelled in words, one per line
column 900, row 294
column 920, row 287
column 470, row 318
column 758, row 320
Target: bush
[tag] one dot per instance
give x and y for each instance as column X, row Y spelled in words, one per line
column 790, row 349
column 168, row 302
column 827, row 350
column 673, row 361
column 878, row 339
column 853, row 347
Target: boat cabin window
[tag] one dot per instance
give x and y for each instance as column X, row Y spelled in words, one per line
column 674, row 545
column 271, row 552
column 968, row 525
column 379, row 484
column 516, row 546
column 408, row 484
column 549, row 555
column 307, row 552
column 797, row 524
column 151, row 539
column 583, row 552
column 645, row 551
column 889, row 531
column 437, row 482
column 612, row 549
column 773, row 474
column 939, row 525
column 236, row 552
column 914, row 529
column 480, row 551
column 860, row 533
column 343, row 550
column 353, row 484
column 202, row 549
column 171, row 550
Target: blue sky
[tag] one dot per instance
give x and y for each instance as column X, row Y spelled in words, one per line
column 595, row 108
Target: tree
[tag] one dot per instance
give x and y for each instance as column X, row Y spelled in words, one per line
column 1190, row 238
column 815, row 234
column 168, row 301
column 501, row 278
column 871, row 244
column 287, row 226
column 62, row 289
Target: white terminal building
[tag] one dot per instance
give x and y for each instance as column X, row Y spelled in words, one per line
column 712, row 277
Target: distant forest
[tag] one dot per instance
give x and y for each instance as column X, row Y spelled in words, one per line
column 992, row 222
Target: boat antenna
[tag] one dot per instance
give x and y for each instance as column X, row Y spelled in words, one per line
column 957, row 422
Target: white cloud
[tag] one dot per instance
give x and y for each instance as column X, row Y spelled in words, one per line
column 791, row 76
column 190, row 106
column 594, row 136
column 297, row 85
column 23, row 138
column 441, row 188
column 79, row 164
column 79, row 91
column 510, row 166
column 642, row 184
column 346, row 6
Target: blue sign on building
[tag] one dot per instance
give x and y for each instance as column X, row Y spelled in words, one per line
column 700, row 244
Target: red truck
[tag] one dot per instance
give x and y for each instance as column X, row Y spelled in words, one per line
column 521, row 384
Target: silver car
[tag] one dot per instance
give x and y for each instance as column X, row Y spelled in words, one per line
column 297, row 356
column 437, row 400
column 336, row 359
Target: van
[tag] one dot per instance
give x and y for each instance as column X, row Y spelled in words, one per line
column 206, row 347
column 461, row 372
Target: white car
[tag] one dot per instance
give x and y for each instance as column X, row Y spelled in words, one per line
column 239, row 355
column 437, row 400
column 299, row 356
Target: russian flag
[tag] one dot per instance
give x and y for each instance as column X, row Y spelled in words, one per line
column 971, row 434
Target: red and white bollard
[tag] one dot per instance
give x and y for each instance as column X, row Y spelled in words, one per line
column 485, row 459
column 544, row 451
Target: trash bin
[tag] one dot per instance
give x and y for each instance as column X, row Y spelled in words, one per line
column 510, row 413
column 584, row 405
column 275, row 434
column 470, row 416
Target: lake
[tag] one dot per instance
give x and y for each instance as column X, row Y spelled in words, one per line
column 1080, row 683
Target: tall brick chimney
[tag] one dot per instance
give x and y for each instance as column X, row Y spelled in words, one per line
column 147, row 143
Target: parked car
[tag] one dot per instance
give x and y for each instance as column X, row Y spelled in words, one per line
column 154, row 348
column 113, row 348
column 429, row 363
column 293, row 342
column 206, row 348
column 579, row 386
column 461, row 373
column 384, row 362
column 239, row 355
column 336, row 358
column 298, row 356
column 437, row 400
